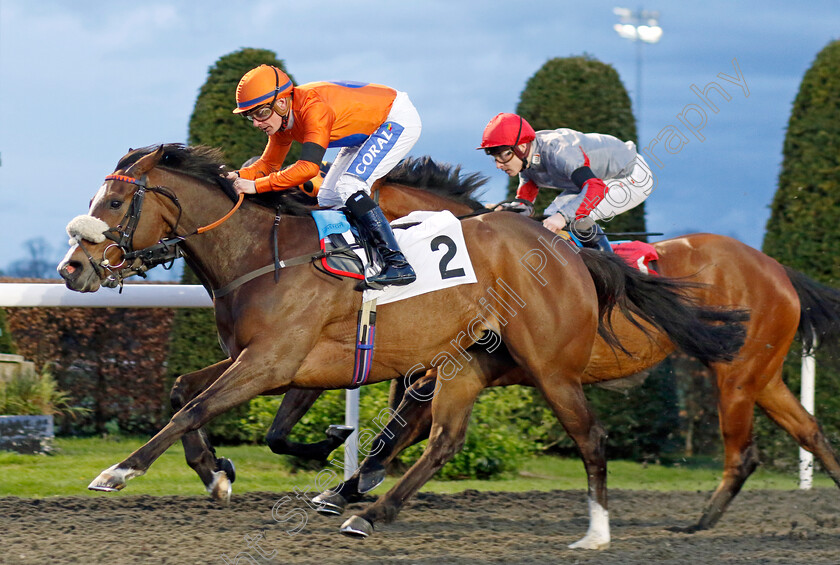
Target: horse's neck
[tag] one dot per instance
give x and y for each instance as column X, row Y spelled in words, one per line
column 244, row 242
column 397, row 201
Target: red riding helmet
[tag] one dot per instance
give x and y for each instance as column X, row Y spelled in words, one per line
column 260, row 86
column 507, row 130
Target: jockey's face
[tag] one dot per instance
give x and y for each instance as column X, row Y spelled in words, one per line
column 274, row 122
column 271, row 125
column 507, row 161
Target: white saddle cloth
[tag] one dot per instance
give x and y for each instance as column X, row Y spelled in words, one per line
column 436, row 250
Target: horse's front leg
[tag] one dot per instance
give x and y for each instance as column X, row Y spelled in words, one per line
column 217, row 474
column 295, row 404
column 244, row 379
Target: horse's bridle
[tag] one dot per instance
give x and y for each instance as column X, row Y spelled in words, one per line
column 164, row 251
column 168, row 249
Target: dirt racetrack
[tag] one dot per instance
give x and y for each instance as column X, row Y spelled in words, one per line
column 469, row 527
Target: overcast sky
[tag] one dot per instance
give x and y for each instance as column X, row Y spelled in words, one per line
column 81, row 81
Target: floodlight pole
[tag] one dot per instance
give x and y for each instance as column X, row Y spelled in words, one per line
column 640, row 27
column 639, row 88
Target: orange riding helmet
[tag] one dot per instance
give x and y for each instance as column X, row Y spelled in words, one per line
column 262, row 85
column 507, row 130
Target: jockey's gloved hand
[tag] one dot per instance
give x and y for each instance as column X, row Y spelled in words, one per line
column 313, row 185
column 582, row 225
column 519, row 205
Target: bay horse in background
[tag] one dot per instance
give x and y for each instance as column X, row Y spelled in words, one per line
column 298, row 331
column 781, row 300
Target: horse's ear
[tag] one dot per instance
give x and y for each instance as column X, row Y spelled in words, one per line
column 145, row 163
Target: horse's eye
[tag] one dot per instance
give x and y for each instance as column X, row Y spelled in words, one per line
column 115, row 204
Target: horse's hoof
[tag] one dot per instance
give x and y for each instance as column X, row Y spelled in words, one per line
column 591, row 542
column 369, row 480
column 105, row 484
column 693, row 529
column 112, row 479
column 220, row 488
column 340, row 432
column 357, row 527
column 226, row 465
column 330, row 503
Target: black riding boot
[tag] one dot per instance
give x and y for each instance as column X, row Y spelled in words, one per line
column 395, row 270
column 592, row 236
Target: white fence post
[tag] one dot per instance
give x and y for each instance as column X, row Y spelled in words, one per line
column 351, row 418
column 806, row 458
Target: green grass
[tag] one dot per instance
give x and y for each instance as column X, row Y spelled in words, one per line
column 79, row 460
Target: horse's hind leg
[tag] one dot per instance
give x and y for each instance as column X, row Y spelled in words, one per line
column 736, row 409
column 451, row 410
column 779, row 403
column 409, row 424
column 736, row 405
column 217, row 474
column 295, row 404
column 569, row 404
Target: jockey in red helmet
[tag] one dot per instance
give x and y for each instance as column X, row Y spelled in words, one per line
column 375, row 126
column 578, row 164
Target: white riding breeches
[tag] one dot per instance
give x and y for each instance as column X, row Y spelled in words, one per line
column 357, row 168
column 623, row 194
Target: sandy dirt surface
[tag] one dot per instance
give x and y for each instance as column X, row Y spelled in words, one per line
column 469, row 527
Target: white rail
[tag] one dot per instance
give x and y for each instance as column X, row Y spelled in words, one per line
column 20, row 295
column 44, row 295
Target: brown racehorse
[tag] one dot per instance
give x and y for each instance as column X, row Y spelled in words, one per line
column 298, row 329
column 415, row 184
column 781, row 300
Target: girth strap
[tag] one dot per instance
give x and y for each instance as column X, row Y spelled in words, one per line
column 364, row 343
column 278, row 264
column 277, row 218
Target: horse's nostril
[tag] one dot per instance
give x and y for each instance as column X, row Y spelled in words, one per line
column 70, row 269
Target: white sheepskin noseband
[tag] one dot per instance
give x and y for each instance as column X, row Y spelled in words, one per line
column 86, row 227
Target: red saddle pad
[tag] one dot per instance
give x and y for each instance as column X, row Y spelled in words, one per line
column 637, row 254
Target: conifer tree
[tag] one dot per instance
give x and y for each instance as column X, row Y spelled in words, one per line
column 803, row 231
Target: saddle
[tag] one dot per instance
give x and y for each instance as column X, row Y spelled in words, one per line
column 346, row 254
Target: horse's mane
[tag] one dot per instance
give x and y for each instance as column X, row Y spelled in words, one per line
column 442, row 179
column 207, row 164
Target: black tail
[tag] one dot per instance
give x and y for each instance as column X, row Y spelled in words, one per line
column 707, row 333
column 819, row 317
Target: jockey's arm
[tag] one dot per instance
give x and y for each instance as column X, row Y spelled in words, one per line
column 524, row 201
column 596, row 190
